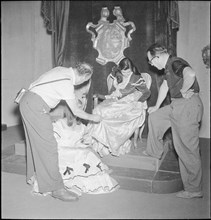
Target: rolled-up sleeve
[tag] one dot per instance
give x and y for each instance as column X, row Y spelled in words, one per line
column 145, row 91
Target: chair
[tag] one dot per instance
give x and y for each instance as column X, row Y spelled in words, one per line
column 98, row 98
column 138, row 132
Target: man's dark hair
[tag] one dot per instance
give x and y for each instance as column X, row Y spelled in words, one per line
column 156, row 49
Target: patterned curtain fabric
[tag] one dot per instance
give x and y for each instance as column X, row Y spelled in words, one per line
column 47, row 14
column 56, row 18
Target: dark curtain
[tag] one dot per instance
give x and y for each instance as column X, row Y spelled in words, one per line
column 167, row 23
column 67, row 20
column 56, row 18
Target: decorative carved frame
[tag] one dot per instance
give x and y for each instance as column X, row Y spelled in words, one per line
column 206, row 56
column 110, row 39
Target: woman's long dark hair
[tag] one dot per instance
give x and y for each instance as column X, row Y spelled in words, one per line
column 126, row 63
column 116, row 72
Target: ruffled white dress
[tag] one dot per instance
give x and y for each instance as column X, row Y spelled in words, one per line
column 81, row 168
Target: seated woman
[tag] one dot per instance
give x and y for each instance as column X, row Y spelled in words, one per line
column 123, row 110
column 81, row 168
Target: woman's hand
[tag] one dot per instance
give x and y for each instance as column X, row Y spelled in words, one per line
column 99, row 96
column 115, row 83
column 116, row 94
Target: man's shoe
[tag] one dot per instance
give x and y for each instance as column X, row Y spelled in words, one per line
column 189, row 195
column 64, row 195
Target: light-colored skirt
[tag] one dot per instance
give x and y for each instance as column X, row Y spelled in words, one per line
column 120, row 119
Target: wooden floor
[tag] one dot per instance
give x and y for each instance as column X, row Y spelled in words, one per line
column 133, row 171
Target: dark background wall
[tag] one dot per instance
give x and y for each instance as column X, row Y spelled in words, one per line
column 81, row 47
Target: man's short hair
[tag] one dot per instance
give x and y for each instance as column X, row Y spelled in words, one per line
column 84, row 68
column 156, row 49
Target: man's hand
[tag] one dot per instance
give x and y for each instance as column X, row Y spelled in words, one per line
column 152, row 109
column 187, row 94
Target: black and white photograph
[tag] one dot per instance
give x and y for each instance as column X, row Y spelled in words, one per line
column 105, row 109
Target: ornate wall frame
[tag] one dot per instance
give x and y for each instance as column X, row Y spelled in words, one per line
column 111, row 39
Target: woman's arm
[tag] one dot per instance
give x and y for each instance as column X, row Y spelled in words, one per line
column 141, row 92
column 145, row 92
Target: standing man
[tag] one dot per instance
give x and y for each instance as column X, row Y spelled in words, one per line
column 42, row 153
column 183, row 115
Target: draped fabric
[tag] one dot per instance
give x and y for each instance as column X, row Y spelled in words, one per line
column 56, row 18
column 47, row 13
column 120, row 120
column 66, row 22
column 167, row 24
